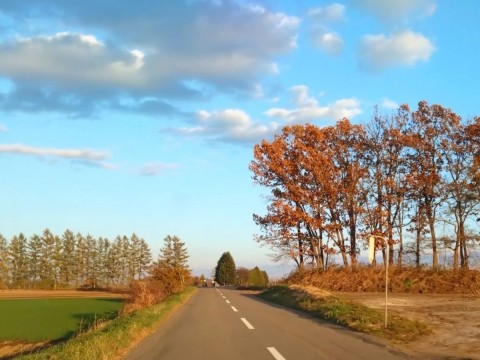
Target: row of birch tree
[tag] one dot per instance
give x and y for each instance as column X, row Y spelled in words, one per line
column 72, row 260
column 410, row 178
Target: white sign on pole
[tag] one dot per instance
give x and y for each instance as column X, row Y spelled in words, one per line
column 371, row 249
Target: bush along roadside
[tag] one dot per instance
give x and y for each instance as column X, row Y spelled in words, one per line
column 349, row 314
column 117, row 337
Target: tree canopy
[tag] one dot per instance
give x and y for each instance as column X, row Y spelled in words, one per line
column 225, row 271
column 405, row 173
column 172, row 266
column 72, row 260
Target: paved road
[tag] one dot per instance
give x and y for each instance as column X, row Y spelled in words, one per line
column 221, row 323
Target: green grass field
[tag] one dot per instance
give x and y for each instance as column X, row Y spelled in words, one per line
column 36, row 320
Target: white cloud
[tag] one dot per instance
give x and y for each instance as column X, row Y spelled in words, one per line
column 155, row 168
column 229, row 125
column 389, row 104
column 85, row 156
column 320, row 33
column 71, row 61
column 402, row 49
column 331, row 13
column 328, row 41
column 307, row 108
column 154, row 53
column 397, row 9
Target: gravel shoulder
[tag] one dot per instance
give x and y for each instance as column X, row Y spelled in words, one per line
column 455, row 319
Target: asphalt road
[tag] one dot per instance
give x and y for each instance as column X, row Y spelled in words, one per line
column 222, row 323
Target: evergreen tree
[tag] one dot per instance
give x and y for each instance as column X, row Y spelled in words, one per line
column 47, row 251
column 144, row 258
column 81, row 254
column 92, row 261
column 4, row 280
column 34, row 247
column 102, row 263
column 68, row 272
column 125, row 263
column 18, row 261
column 225, row 272
column 172, row 267
column 134, row 260
column 266, row 280
column 115, row 262
column 255, row 277
column 57, row 260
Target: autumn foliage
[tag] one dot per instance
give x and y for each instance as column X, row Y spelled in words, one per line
column 400, row 177
column 405, row 280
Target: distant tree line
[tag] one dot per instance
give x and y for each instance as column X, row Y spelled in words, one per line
column 252, row 277
column 411, row 178
column 72, row 260
column 226, row 273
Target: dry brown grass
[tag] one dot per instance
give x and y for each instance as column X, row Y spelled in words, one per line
column 406, row 280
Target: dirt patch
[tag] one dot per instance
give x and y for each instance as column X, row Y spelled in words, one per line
column 10, row 349
column 455, row 319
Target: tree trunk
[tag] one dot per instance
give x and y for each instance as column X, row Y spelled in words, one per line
column 417, row 249
column 400, row 238
column 431, row 223
column 300, row 246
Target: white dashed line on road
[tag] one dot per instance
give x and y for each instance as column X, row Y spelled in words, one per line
column 228, row 302
column 234, row 309
column 247, row 324
column 275, row 353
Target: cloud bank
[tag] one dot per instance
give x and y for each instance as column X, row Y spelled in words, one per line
column 153, row 50
column 83, row 156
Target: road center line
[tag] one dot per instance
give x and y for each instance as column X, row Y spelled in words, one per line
column 275, row 353
column 228, row 302
column 234, row 309
column 247, row 324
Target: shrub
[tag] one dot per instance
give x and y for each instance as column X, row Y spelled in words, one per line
column 144, row 293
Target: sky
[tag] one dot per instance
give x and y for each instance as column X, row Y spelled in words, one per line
column 121, row 117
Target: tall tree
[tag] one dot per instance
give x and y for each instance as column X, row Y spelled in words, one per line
column 4, row 273
column 69, row 267
column 144, row 258
column 461, row 198
column 387, row 168
column 34, row 247
column 429, row 127
column 315, row 176
column 47, row 255
column 225, row 272
column 18, row 261
column 172, row 265
column 81, row 256
column 103, row 248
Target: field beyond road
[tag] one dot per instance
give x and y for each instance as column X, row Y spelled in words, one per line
column 32, row 318
column 21, row 294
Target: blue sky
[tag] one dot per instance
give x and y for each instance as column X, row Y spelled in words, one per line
column 141, row 116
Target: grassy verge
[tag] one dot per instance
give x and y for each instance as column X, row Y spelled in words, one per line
column 347, row 313
column 116, row 337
